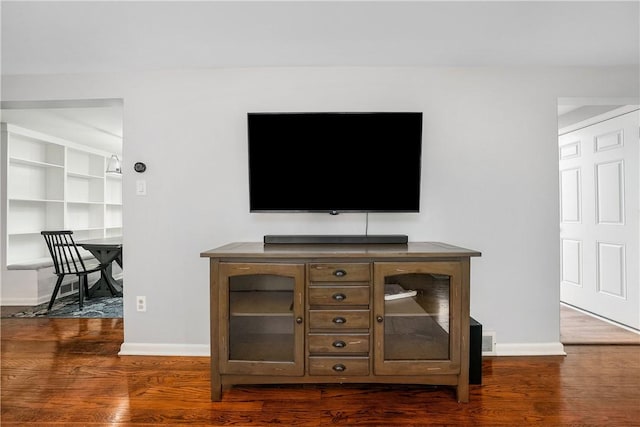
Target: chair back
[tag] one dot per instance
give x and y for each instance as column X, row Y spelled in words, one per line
column 64, row 252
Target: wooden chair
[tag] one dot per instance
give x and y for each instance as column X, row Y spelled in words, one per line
column 68, row 260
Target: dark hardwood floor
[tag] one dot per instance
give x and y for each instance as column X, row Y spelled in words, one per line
column 66, row 372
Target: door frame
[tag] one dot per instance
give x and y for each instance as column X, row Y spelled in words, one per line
column 624, row 106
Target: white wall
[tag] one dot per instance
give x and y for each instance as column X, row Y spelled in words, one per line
column 490, row 180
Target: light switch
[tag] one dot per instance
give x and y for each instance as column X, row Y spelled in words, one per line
column 141, row 187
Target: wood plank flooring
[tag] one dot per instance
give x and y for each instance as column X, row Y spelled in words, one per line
column 66, row 372
column 577, row 327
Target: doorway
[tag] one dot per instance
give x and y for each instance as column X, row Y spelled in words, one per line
column 599, row 193
column 58, row 170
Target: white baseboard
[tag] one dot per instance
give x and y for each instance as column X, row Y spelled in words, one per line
column 530, row 349
column 34, row 287
column 24, row 302
column 143, row 349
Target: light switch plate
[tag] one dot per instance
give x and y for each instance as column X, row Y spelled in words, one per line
column 141, row 187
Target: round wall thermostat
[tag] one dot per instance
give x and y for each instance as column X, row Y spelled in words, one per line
column 139, row 167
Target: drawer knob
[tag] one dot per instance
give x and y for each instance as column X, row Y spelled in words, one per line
column 339, row 320
column 339, row 367
column 339, row 297
column 339, row 273
column 299, row 320
column 379, row 319
column 339, row 344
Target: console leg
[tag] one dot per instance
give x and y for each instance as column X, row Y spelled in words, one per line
column 462, row 392
column 216, row 388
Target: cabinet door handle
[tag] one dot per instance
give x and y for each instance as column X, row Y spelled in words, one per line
column 339, row 320
column 339, row 273
column 379, row 319
column 299, row 320
column 339, row 344
column 339, row 297
column 339, row 367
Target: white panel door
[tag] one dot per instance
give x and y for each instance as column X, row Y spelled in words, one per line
column 599, row 215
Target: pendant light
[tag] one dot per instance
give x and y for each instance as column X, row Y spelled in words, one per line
column 113, row 166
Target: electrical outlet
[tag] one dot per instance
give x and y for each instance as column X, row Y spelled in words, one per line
column 141, row 303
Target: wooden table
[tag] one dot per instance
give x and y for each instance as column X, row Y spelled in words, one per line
column 105, row 250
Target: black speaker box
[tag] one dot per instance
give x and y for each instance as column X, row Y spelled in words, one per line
column 475, row 352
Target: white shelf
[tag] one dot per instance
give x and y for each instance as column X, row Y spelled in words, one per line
column 34, row 163
column 29, row 147
column 81, row 202
column 28, row 199
column 29, row 216
column 83, row 163
column 88, row 234
column 51, row 184
column 84, row 176
column 85, row 189
column 34, row 182
column 23, row 233
column 113, row 190
column 79, row 229
column 113, row 216
column 84, row 216
column 25, row 248
column 113, row 232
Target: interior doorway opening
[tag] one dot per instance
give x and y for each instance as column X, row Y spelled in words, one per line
column 599, row 190
column 56, row 154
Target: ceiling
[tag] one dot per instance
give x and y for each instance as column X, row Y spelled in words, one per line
column 124, row 36
column 91, row 36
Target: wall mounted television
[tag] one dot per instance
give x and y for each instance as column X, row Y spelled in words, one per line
column 334, row 162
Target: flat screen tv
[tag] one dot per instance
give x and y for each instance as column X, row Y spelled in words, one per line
column 335, row 162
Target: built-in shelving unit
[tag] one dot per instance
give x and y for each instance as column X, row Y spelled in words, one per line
column 50, row 183
column 113, row 205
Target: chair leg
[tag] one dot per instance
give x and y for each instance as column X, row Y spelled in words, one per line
column 55, row 291
column 81, row 287
column 87, row 295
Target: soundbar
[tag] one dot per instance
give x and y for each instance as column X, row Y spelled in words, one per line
column 336, row 239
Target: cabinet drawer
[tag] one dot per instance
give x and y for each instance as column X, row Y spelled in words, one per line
column 339, row 366
column 339, row 295
column 338, row 319
column 339, row 272
column 338, row 343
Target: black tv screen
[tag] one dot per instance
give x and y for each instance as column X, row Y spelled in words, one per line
column 335, row 162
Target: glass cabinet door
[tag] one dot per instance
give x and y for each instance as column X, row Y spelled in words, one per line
column 417, row 318
column 261, row 319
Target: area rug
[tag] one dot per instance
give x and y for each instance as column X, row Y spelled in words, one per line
column 97, row 307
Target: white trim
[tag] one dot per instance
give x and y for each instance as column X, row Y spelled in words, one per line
column 145, row 349
column 599, row 118
column 61, row 103
column 530, row 349
column 20, row 301
column 611, row 100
